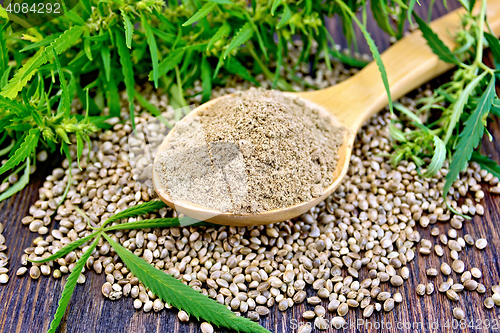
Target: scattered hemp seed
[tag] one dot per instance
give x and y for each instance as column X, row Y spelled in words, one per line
column 308, row 314
column 368, row 311
column 458, row 266
column 314, row 300
column 458, row 313
column 206, row 328
column 338, row 322
column 183, row 316
column 481, row 288
column 496, row 289
column 306, row 328
column 457, row 287
column 343, row 309
column 469, row 240
column 320, row 323
column 481, row 243
column 444, row 287
column 429, row 288
column 476, row 272
column 444, row 239
column 405, row 273
column 439, row 250
column 465, row 276
column 470, row 285
column 452, row 295
column 452, row 233
column 389, row 305
column 496, row 299
column 397, row 281
column 425, row 243
column 453, row 245
column 421, row 289
column 424, row 250
column 489, row 303
column 34, row 272
column 445, row 269
column 21, row 271
column 319, row 311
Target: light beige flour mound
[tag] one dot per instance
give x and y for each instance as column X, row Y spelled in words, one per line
column 255, row 151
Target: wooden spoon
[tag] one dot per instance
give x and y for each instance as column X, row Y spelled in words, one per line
column 409, row 64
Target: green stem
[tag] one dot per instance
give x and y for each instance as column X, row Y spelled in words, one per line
column 479, row 53
column 7, row 149
column 486, row 68
column 281, row 84
column 179, row 87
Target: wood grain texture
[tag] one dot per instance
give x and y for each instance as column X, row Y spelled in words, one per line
column 27, row 306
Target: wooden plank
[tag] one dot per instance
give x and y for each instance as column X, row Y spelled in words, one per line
column 28, row 306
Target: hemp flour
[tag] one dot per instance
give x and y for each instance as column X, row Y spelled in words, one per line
column 255, row 151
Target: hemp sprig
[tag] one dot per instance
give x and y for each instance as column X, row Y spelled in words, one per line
column 457, row 113
column 166, row 287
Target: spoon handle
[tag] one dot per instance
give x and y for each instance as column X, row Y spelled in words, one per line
column 409, row 64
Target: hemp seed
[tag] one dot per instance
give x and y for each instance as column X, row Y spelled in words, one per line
column 458, row 313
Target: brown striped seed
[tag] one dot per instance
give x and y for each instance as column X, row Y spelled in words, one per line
column 469, row 240
column 452, row 295
column 389, row 304
column 470, row 285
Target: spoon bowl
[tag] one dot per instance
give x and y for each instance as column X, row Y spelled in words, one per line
column 409, row 63
column 203, row 213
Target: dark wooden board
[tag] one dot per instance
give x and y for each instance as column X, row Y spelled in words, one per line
column 27, row 306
